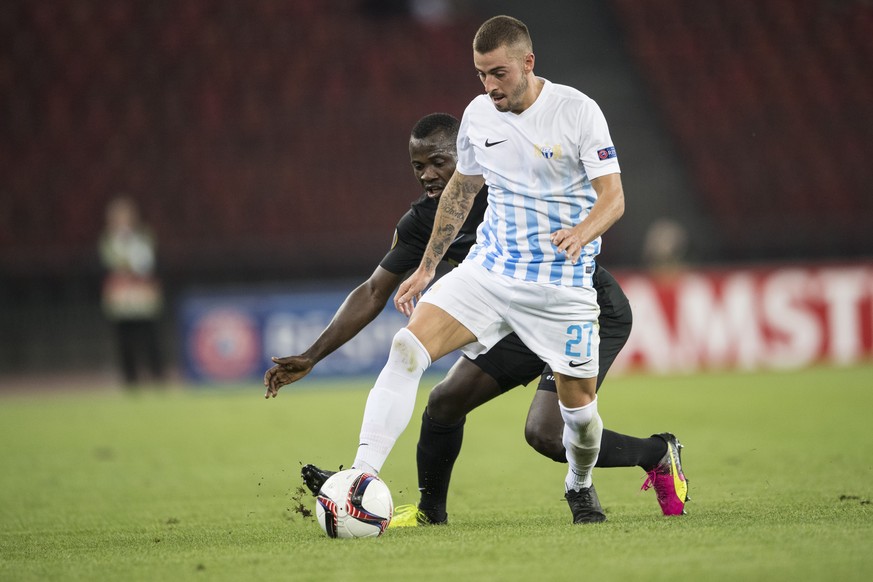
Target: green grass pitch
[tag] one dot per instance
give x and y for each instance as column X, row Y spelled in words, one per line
column 201, row 484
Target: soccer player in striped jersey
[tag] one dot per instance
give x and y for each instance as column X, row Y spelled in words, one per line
column 473, row 382
column 545, row 153
column 554, row 188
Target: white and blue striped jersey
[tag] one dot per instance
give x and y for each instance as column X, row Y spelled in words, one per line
column 538, row 167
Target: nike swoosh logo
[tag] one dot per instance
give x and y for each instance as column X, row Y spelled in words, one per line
column 488, row 144
column 574, row 364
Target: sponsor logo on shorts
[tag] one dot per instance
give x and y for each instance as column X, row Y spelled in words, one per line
column 575, row 364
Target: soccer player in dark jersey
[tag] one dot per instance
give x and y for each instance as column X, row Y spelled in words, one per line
column 472, row 382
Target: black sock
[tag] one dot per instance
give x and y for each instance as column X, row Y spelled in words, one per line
column 620, row 450
column 438, row 447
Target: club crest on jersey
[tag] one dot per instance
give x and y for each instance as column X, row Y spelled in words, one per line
column 606, row 153
column 548, row 151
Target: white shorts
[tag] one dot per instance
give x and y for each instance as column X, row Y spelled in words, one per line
column 557, row 323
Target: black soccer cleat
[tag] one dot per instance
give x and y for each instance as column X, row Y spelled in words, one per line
column 585, row 506
column 314, row 478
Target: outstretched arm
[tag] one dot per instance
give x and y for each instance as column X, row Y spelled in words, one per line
column 605, row 212
column 360, row 308
column 455, row 204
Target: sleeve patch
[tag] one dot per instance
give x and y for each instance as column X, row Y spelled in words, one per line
column 606, row 153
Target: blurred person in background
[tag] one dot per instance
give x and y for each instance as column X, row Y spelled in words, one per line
column 665, row 249
column 132, row 297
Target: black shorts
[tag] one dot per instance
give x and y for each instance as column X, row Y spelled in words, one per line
column 511, row 364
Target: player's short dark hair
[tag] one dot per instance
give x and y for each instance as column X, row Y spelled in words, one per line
column 499, row 31
column 436, row 122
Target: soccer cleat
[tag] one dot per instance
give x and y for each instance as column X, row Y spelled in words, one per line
column 667, row 478
column 410, row 515
column 314, row 478
column 585, row 506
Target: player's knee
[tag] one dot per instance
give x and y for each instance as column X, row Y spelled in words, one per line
column 583, row 426
column 407, row 353
column 464, row 388
column 545, row 440
column 443, row 407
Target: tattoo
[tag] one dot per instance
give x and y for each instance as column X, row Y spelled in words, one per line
column 454, row 206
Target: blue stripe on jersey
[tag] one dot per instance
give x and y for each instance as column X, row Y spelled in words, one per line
column 557, row 273
column 487, row 260
column 534, row 247
column 505, row 246
column 514, row 254
column 579, row 267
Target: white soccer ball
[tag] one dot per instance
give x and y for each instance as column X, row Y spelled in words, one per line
column 354, row 504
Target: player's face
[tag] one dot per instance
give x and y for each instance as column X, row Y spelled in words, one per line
column 433, row 160
column 504, row 73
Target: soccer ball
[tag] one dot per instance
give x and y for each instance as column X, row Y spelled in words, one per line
column 354, row 504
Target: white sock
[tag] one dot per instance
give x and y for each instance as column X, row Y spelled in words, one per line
column 582, row 431
column 391, row 401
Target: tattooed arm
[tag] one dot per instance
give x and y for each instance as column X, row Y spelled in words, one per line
column 455, row 204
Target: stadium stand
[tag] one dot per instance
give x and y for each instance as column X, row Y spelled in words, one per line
column 258, row 138
column 239, row 127
column 770, row 103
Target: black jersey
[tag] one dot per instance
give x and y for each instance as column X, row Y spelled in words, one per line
column 415, row 227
